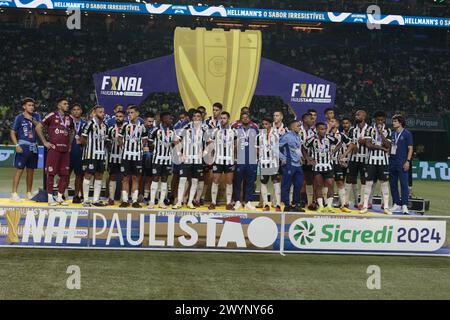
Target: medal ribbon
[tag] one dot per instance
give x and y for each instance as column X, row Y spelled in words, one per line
column 62, row 120
column 133, row 130
column 195, row 131
column 224, row 136
column 166, row 131
column 116, row 129
column 77, row 127
column 246, row 134
column 396, row 137
column 363, row 131
column 378, row 137
column 321, row 145
column 267, row 142
column 29, row 128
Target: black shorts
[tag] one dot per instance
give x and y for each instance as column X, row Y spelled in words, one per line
column 148, row 172
column 161, row 170
column 377, row 172
column 131, row 167
column 176, row 168
column 93, row 166
column 113, row 168
column 223, row 168
column 325, row 174
column 147, row 166
column 265, row 178
column 355, row 168
column 339, row 172
column 192, row 171
column 279, row 173
column 76, row 163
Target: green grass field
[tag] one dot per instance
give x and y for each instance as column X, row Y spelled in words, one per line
column 41, row 273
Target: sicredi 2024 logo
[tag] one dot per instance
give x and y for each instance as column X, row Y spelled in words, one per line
column 303, row 232
column 311, row 92
column 122, row 86
column 364, row 234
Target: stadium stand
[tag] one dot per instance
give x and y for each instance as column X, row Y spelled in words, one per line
column 42, row 59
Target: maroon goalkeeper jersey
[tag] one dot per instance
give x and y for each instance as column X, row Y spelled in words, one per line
column 59, row 128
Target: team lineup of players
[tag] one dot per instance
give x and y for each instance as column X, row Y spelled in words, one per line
column 305, row 160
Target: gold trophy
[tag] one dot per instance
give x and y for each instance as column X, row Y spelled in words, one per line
column 13, row 219
column 217, row 66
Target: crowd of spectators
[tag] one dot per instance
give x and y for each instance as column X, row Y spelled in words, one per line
column 392, row 69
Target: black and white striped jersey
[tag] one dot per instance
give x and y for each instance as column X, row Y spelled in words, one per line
column 224, row 145
column 95, row 134
column 281, row 129
column 322, row 152
column 361, row 153
column 305, row 136
column 150, row 130
column 193, row 139
column 268, row 144
column 162, row 140
column 378, row 157
column 344, row 140
column 246, row 141
column 133, row 136
column 115, row 153
column 212, row 123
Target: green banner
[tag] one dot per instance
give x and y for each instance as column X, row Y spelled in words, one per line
column 7, row 156
column 431, row 170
